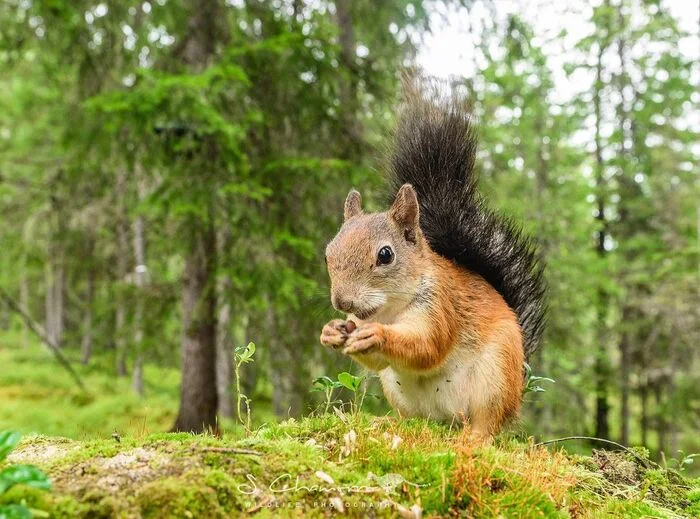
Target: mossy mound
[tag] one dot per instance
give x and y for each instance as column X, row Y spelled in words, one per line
column 357, row 465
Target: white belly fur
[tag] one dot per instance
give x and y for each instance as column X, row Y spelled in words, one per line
column 465, row 383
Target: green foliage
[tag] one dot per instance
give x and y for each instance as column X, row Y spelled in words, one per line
column 107, row 124
column 327, row 386
column 683, row 460
column 13, row 475
column 532, row 382
column 350, row 381
column 357, row 385
column 243, row 355
column 8, row 441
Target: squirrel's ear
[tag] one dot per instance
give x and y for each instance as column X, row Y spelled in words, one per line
column 353, row 205
column 405, row 212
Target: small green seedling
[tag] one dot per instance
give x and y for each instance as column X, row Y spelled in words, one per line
column 683, row 461
column 345, row 380
column 532, row 382
column 27, row 475
column 350, row 381
column 243, row 355
column 327, row 386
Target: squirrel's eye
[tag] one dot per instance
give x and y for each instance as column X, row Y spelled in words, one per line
column 385, row 256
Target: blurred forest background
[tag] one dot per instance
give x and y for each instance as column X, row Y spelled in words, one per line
column 170, row 171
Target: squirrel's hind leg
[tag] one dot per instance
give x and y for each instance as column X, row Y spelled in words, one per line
column 496, row 392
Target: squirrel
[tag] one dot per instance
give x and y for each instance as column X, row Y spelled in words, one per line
column 444, row 297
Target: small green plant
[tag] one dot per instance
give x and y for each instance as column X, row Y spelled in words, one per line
column 532, row 382
column 345, row 380
column 27, row 475
column 243, row 355
column 682, row 462
column 327, row 386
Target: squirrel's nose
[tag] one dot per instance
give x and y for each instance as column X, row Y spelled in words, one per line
column 342, row 304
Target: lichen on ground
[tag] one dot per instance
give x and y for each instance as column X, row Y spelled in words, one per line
column 357, row 465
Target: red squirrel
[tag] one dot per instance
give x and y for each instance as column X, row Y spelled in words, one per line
column 444, row 297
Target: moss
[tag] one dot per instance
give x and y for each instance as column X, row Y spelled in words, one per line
column 693, row 497
column 178, row 497
column 20, row 494
column 374, row 466
column 627, row 510
column 667, row 488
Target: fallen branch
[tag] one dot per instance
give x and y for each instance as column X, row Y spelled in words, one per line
column 41, row 333
column 231, row 450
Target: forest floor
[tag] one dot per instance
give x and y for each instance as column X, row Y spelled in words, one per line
column 354, row 464
column 115, row 465
column 37, row 395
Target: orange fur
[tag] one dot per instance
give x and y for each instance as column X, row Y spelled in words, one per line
column 430, row 324
column 465, row 304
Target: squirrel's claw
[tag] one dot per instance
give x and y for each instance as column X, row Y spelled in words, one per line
column 365, row 339
column 363, row 346
column 334, row 334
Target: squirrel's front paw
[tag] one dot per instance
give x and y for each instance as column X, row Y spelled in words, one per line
column 334, row 334
column 368, row 337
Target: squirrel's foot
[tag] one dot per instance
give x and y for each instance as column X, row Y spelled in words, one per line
column 367, row 338
column 334, row 334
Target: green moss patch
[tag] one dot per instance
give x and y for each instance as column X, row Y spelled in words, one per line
column 360, row 465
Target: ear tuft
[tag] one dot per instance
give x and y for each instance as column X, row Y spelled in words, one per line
column 405, row 211
column 353, row 205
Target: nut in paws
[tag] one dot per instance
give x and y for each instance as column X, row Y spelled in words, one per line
column 368, row 337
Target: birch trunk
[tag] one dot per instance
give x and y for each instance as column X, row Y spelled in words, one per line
column 122, row 265
column 141, row 279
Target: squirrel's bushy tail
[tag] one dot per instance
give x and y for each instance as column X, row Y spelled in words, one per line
column 434, row 149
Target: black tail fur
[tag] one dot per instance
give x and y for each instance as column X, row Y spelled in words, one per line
column 434, row 148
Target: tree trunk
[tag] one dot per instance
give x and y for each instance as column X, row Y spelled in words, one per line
column 198, row 392
column 644, row 415
column 24, row 301
column 54, row 297
column 625, row 366
column 4, row 316
column 224, row 350
column 624, row 161
column 602, row 427
column 141, row 279
column 137, row 376
column 348, row 87
column 675, row 366
column 58, row 301
column 542, row 409
column 661, row 426
column 86, row 345
column 285, row 398
column 54, row 272
column 119, row 331
column 297, row 6
column 49, row 314
column 122, row 265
